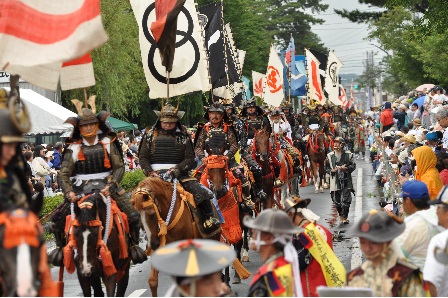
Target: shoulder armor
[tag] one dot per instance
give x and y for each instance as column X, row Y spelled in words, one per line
column 358, row 271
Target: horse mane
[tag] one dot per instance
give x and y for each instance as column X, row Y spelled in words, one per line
column 155, row 186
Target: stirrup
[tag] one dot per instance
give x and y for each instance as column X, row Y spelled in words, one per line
column 211, row 223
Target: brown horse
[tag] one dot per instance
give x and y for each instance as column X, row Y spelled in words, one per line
column 24, row 269
column 100, row 256
column 152, row 198
column 227, row 189
column 317, row 152
column 261, row 152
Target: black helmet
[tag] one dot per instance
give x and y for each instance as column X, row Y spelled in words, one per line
column 251, row 103
column 14, row 119
column 340, row 140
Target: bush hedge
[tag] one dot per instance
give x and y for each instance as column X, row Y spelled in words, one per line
column 131, row 179
column 50, row 204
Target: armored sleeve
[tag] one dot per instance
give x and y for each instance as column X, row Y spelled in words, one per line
column 67, row 166
column 117, row 164
column 189, row 161
column 199, row 149
column 242, row 134
column 233, row 144
column 328, row 168
column 351, row 165
column 143, row 155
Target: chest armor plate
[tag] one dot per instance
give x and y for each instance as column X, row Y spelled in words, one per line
column 313, row 120
column 94, row 160
column 216, row 139
column 168, row 149
column 338, row 118
column 256, row 124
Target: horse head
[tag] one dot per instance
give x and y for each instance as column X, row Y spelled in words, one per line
column 21, row 240
column 152, row 199
column 217, row 167
column 321, row 141
column 88, row 231
column 261, row 143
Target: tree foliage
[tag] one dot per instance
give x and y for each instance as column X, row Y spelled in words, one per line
column 414, row 31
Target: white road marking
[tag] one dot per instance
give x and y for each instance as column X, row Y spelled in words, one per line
column 356, row 251
column 137, row 293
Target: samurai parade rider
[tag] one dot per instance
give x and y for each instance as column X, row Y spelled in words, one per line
column 92, row 155
column 15, row 187
column 252, row 120
column 15, row 191
column 166, row 150
column 218, row 134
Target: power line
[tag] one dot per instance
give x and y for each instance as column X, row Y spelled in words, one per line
column 367, row 10
column 344, row 33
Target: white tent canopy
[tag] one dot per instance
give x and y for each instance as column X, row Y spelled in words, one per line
column 46, row 116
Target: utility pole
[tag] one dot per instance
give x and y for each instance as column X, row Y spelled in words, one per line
column 368, row 85
column 373, row 73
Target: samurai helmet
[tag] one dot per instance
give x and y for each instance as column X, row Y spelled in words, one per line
column 273, row 221
column 14, row 119
column 169, row 114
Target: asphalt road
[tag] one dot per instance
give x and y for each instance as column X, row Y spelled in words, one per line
column 367, row 197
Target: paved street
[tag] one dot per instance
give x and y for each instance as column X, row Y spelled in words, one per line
column 346, row 249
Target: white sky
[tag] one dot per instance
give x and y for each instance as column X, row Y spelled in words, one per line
column 346, row 38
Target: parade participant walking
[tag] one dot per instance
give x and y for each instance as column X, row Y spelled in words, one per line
column 421, row 222
column 386, row 118
column 166, row 150
column 195, row 266
column 359, row 144
column 426, row 161
column 317, row 261
column 251, row 121
column 435, row 272
column 384, row 270
column 272, row 232
column 92, row 155
column 340, row 165
column 218, row 134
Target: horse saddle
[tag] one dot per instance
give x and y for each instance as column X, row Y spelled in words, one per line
column 89, row 186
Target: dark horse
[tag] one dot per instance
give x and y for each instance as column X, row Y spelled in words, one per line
column 24, row 269
column 97, row 260
column 227, row 189
column 261, row 152
column 317, row 152
column 152, row 199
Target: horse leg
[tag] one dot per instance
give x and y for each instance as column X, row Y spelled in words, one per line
column 245, row 249
column 237, row 247
column 153, row 281
column 314, row 174
column 95, row 281
column 227, row 276
column 111, row 283
column 122, row 285
column 321, row 176
column 84, row 282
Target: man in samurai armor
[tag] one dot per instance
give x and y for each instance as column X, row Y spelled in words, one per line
column 339, row 116
column 167, row 151
column 312, row 121
column 339, row 165
column 252, row 120
column 92, row 154
column 16, row 191
column 281, row 128
column 217, row 134
column 289, row 114
column 15, row 188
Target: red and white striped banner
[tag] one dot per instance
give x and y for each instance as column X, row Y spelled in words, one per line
column 77, row 73
column 37, row 36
